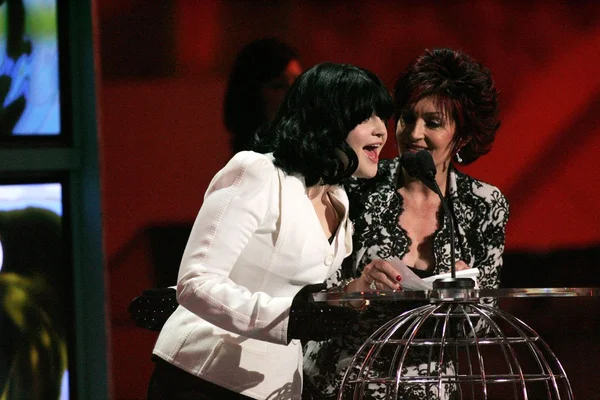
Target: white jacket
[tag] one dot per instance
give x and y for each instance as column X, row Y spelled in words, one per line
column 255, row 243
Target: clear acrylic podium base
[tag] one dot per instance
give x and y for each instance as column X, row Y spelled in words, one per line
column 465, row 349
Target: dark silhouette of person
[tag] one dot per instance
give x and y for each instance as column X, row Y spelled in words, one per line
column 261, row 75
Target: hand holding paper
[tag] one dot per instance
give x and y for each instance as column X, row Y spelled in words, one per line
column 410, row 280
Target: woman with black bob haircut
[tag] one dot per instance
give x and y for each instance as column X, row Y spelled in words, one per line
column 272, row 228
column 445, row 105
column 308, row 134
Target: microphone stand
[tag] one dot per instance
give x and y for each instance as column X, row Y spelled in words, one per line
column 427, row 174
column 453, row 282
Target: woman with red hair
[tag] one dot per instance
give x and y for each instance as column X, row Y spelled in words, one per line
column 445, row 104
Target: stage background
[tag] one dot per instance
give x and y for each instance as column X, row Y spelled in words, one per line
column 164, row 71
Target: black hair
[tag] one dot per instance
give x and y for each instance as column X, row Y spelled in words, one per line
column 257, row 63
column 465, row 90
column 308, row 134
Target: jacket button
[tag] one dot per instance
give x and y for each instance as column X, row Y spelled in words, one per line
column 329, row 260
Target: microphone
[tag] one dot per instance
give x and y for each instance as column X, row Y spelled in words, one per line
column 422, row 167
column 409, row 162
column 425, row 164
column 427, row 171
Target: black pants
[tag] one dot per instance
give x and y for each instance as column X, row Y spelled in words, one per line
column 171, row 383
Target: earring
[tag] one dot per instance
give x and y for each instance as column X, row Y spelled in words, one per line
column 458, row 158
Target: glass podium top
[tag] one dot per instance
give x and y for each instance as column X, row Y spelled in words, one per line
column 456, row 294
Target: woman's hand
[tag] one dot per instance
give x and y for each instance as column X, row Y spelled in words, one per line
column 378, row 275
column 461, row 265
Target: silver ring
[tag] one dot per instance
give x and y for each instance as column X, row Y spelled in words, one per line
column 373, row 285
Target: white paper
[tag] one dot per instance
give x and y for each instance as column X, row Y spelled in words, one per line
column 411, row 281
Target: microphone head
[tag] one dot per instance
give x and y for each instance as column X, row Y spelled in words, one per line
column 409, row 162
column 425, row 164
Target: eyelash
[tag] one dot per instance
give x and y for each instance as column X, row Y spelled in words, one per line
column 433, row 124
column 430, row 123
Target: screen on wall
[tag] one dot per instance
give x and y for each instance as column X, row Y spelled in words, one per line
column 34, row 292
column 29, row 68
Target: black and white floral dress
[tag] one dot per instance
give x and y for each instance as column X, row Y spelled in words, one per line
column 480, row 214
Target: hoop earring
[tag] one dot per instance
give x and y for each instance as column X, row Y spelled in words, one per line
column 458, row 158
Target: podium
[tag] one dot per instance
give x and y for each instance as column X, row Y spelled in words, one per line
column 470, row 350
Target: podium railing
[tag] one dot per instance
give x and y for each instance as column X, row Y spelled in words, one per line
column 471, row 350
column 441, row 294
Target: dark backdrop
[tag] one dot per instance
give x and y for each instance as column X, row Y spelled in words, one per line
column 164, row 67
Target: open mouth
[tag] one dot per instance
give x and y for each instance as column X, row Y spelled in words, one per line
column 372, row 151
